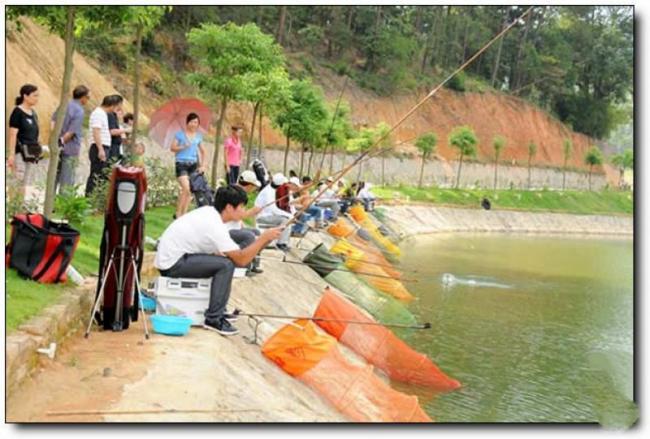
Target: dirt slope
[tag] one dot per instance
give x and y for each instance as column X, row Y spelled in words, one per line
column 36, row 56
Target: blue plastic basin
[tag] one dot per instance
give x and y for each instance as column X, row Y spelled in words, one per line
column 148, row 303
column 170, row 325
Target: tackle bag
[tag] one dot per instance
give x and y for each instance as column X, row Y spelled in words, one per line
column 203, row 194
column 41, row 249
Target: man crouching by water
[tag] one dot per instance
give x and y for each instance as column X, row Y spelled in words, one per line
column 198, row 245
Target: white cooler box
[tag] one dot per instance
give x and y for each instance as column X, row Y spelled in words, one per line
column 184, row 296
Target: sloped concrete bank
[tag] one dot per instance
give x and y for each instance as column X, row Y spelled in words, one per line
column 204, row 377
column 418, row 219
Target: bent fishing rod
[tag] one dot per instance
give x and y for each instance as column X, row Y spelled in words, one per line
column 366, row 153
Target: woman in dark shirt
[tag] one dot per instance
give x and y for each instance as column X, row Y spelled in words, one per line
column 23, row 130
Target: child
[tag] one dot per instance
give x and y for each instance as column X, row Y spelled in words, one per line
column 137, row 155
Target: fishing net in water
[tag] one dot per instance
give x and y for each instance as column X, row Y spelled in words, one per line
column 356, row 252
column 378, row 345
column 382, row 307
column 340, row 229
column 314, row 358
column 380, row 279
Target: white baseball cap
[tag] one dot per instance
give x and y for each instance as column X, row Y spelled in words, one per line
column 294, row 180
column 279, row 179
column 249, row 177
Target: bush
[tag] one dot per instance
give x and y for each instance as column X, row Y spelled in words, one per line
column 162, row 189
column 71, row 206
column 457, row 82
column 99, row 196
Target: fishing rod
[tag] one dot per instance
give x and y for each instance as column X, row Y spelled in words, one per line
column 313, row 264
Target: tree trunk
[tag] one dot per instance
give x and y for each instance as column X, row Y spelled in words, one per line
column 217, row 143
column 590, row 168
column 497, row 61
column 359, row 173
column 460, row 166
column 564, row 174
column 259, row 148
column 516, row 74
column 286, row 154
column 136, row 83
column 331, row 160
column 496, row 167
column 528, row 174
column 50, row 188
column 383, row 167
column 283, row 16
column 311, row 155
column 322, row 159
column 250, row 139
column 302, row 157
column 421, row 172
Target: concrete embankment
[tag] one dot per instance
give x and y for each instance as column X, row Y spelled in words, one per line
column 419, row 219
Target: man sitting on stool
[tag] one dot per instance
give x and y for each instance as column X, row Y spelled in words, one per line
column 198, row 245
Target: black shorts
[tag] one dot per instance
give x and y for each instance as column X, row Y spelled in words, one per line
column 185, row 168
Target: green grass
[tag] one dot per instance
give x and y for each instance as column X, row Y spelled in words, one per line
column 25, row 298
column 579, row 202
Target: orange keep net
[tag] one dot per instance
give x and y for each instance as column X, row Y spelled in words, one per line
column 354, row 252
column 380, row 279
column 358, row 213
column 354, row 390
column 340, row 229
column 378, row 345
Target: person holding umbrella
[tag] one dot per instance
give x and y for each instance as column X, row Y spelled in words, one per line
column 190, row 156
column 233, row 154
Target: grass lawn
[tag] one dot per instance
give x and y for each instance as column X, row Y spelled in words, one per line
column 579, row 202
column 25, row 298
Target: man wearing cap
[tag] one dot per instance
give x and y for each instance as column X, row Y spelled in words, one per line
column 244, row 236
column 270, row 215
column 329, row 198
column 233, row 150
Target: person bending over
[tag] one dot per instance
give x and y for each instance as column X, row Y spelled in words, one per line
column 198, row 245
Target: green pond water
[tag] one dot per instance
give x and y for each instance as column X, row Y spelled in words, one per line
column 557, row 346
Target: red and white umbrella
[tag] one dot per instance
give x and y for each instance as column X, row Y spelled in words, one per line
column 170, row 118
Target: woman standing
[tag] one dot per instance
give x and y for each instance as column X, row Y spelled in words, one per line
column 24, row 148
column 233, row 150
column 190, row 156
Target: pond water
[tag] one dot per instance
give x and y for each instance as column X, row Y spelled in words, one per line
column 538, row 329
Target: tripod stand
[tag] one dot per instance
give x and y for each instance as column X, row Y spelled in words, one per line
column 120, row 275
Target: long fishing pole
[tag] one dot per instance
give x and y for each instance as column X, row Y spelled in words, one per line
column 366, row 153
column 363, row 273
column 427, row 325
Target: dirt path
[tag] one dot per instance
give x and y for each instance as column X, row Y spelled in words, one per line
column 201, row 371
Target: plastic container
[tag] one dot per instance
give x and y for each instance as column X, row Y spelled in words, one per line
column 170, row 325
column 148, row 303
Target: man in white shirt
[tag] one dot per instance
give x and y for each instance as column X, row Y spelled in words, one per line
column 271, row 214
column 329, row 198
column 100, row 138
column 198, row 245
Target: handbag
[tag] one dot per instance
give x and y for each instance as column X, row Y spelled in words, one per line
column 31, row 153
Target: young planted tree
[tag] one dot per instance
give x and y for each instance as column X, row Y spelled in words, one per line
column 532, row 151
column 68, row 22
column 382, row 131
column 498, row 143
column 593, row 157
column 623, row 161
column 226, row 56
column 302, row 117
column 363, row 141
column 142, row 20
column 463, row 139
column 567, row 148
column 427, row 145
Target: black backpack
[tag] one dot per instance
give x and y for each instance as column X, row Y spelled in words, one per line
column 203, row 193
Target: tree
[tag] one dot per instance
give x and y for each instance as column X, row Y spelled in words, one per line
column 361, row 143
column 623, row 161
column 532, row 151
column 498, row 143
column 302, row 117
column 142, row 20
column 567, row 147
column 463, row 139
column 426, row 143
column 226, row 56
column 68, row 22
column 593, row 157
column 382, row 134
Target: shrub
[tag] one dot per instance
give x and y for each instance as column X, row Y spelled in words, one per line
column 457, row 82
column 162, row 188
column 71, row 206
